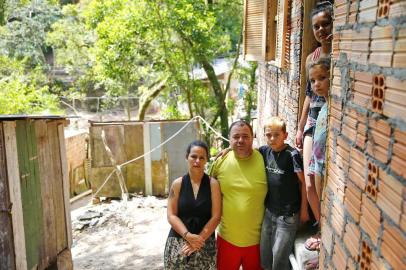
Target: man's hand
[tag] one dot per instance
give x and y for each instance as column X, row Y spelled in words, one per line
column 222, row 153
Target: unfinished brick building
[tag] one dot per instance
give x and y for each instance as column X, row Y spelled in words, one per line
column 363, row 207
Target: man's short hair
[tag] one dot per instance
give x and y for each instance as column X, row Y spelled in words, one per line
column 241, row 123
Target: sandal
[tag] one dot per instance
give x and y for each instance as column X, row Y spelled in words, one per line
column 313, row 243
column 312, row 264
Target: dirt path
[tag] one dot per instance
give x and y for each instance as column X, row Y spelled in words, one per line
column 120, row 236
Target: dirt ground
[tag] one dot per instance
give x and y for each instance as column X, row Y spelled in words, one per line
column 116, row 235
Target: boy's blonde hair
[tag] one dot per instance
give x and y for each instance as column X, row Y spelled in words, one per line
column 275, row 121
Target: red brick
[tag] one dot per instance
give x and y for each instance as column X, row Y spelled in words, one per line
column 364, row 4
column 398, row 165
column 376, row 263
column 339, row 257
column 349, row 132
column 352, row 238
column 379, row 138
column 383, row 59
column 340, row 10
column 350, row 119
column 367, row 15
column 340, row 2
column 326, row 237
column 362, row 87
column 353, row 201
column 336, row 90
column 400, row 136
column 379, row 32
column 394, row 83
column 395, row 96
column 381, row 45
column 394, row 110
column 345, row 45
column 399, row 150
column 393, row 246
column 378, row 152
column 356, row 177
column 339, row 20
column 350, row 264
column 397, row 9
column 347, row 34
column 403, row 222
column 370, row 218
column 363, row 76
column 388, row 208
column 399, row 60
column 400, row 45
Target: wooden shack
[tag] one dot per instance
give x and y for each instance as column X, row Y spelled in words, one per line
column 151, row 174
column 34, row 194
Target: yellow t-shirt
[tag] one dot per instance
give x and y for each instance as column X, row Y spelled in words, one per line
column 244, row 187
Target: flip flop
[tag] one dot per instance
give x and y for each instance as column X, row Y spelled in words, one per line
column 312, row 243
column 312, row 264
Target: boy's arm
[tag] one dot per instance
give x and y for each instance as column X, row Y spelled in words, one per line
column 304, row 213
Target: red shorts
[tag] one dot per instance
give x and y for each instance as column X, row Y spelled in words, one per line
column 230, row 257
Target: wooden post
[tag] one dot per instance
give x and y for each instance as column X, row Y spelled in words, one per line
column 147, row 159
column 65, row 177
column 15, row 194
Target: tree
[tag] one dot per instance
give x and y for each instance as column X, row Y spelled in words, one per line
column 24, row 56
column 246, row 75
column 142, row 44
column 23, row 36
column 23, row 92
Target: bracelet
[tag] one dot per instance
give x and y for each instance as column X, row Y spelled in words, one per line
column 184, row 234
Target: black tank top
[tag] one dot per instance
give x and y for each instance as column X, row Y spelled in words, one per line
column 194, row 213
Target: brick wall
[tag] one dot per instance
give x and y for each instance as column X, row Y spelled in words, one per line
column 363, row 211
column 75, row 154
column 278, row 88
column 363, row 205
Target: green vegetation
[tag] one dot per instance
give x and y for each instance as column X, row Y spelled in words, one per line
column 144, row 48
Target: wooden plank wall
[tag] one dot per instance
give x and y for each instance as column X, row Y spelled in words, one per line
column 34, row 179
column 6, row 235
column 51, row 189
column 135, row 171
column 13, row 173
column 30, row 192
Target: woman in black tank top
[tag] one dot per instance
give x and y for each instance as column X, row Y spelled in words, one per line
column 194, row 210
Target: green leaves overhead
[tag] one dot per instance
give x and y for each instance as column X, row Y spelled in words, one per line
column 23, row 92
column 23, row 37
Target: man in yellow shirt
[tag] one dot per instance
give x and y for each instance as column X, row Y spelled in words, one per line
column 242, row 178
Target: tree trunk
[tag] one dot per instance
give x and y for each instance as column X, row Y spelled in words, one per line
column 251, row 90
column 148, row 99
column 2, row 12
column 215, row 84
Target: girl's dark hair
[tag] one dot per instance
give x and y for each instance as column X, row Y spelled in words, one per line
column 323, row 6
column 198, row 143
column 324, row 62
